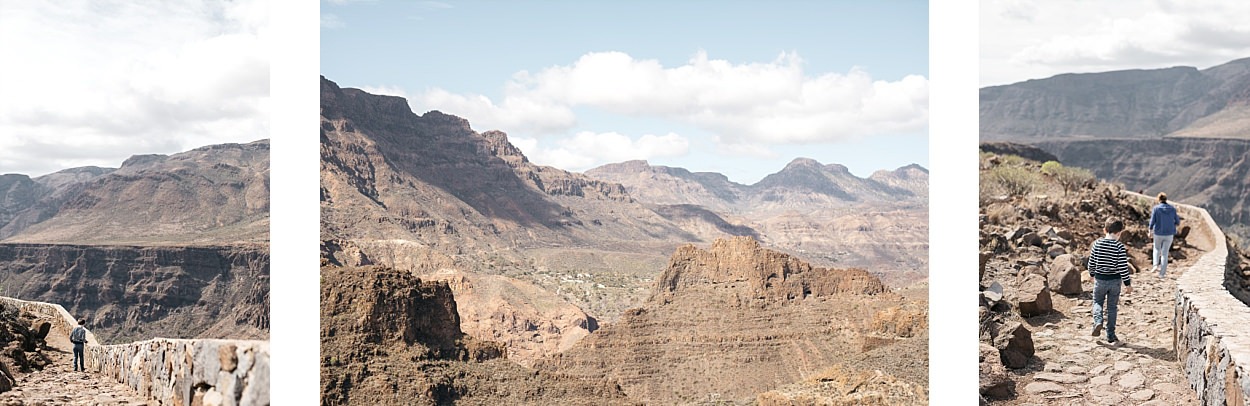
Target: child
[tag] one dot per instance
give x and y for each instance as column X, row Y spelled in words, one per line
column 1108, row 264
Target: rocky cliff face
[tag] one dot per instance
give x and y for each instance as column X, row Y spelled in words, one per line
column 216, row 194
column 1141, row 104
column 429, row 194
column 135, row 293
column 733, row 321
column 389, row 338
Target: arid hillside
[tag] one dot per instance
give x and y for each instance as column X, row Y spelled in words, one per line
column 540, row 257
column 1136, row 104
column 733, row 321
column 821, row 212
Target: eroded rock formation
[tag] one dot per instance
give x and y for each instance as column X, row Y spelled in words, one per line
column 389, row 338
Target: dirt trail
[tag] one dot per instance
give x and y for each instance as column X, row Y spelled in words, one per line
column 1073, row 367
column 58, row 384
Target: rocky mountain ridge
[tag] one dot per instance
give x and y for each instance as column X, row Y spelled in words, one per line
column 819, row 211
column 217, row 194
column 1135, row 104
column 539, row 254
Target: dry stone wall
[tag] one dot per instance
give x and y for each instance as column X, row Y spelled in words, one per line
column 1210, row 325
column 53, row 313
column 189, row 372
column 174, row 371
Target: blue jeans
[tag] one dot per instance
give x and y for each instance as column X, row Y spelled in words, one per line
column 78, row 358
column 1163, row 244
column 1108, row 292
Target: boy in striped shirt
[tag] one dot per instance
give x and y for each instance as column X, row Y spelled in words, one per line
column 1108, row 265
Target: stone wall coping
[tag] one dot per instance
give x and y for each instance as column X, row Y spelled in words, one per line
column 1221, row 319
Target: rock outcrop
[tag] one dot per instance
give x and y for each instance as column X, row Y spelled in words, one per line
column 390, row 338
column 734, row 320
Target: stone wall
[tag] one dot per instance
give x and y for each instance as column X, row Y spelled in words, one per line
column 188, row 372
column 173, row 371
column 1209, row 329
column 62, row 321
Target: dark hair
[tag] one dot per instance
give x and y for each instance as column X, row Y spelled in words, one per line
column 82, row 321
column 1163, row 197
column 1113, row 225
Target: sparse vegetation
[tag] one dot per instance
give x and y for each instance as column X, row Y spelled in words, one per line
column 1014, row 180
column 1069, row 178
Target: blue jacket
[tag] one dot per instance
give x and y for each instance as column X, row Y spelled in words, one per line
column 1163, row 219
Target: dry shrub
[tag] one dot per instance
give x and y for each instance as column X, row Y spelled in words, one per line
column 1014, row 180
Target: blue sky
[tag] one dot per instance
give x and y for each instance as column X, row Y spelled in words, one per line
column 739, row 88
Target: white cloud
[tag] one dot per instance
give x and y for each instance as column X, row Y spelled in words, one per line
column 586, row 149
column 331, row 21
column 1081, row 36
column 772, row 102
column 108, row 79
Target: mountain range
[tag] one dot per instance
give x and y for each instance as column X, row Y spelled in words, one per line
column 1138, row 104
column 541, row 260
column 216, row 194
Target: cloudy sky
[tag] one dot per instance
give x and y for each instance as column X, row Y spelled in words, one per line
column 1032, row 39
column 92, row 82
column 741, row 88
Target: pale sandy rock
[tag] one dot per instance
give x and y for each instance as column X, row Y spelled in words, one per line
column 1132, row 380
column 1043, row 387
column 1142, row 395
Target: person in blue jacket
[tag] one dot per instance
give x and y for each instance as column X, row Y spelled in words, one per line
column 1163, row 222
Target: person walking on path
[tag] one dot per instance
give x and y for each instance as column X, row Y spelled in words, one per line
column 1108, row 265
column 79, row 337
column 1163, row 222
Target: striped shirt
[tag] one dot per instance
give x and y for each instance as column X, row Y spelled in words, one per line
column 1108, row 259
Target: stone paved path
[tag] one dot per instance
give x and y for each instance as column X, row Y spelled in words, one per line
column 58, row 384
column 1073, row 368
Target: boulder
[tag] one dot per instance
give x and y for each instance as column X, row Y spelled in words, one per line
column 1034, row 296
column 1055, row 251
column 1065, row 275
column 993, row 294
column 1031, row 239
column 994, row 382
column 1018, row 232
column 1015, row 345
